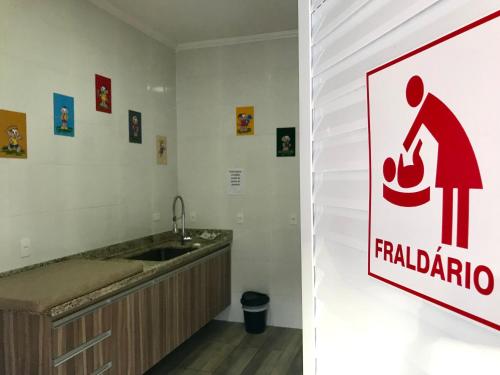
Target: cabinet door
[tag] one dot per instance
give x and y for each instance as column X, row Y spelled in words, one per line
column 218, row 276
column 199, row 296
column 150, row 323
column 25, row 346
column 135, row 331
column 190, row 298
column 168, row 332
column 177, row 308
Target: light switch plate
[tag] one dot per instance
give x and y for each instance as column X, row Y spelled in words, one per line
column 193, row 216
column 25, row 247
column 156, row 216
column 293, row 219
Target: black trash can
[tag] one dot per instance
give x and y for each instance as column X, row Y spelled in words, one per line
column 255, row 311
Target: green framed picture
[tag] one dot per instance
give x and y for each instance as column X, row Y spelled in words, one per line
column 285, row 142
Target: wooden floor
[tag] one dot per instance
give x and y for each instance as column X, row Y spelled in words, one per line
column 225, row 348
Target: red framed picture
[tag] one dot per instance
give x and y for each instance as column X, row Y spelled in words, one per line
column 103, row 102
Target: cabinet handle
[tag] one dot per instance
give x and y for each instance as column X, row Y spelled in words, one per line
column 103, row 369
column 80, row 349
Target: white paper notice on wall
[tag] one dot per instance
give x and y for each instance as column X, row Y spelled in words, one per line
column 235, row 181
column 434, row 172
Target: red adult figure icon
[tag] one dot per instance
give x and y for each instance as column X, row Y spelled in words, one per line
column 457, row 166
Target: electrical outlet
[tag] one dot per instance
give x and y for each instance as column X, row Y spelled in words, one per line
column 240, row 218
column 293, row 219
column 156, row 216
column 193, row 216
column 25, row 247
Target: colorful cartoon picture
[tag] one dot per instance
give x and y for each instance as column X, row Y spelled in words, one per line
column 103, row 93
column 134, row 127
column 161, row 149
column 64, row 115
column 245, row 120
column 285, row 142
column 13, row 138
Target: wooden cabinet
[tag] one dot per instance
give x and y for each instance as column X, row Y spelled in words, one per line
column 25, row 343
column 151, row 322
column 124, row 335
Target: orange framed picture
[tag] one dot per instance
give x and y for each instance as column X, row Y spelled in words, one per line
column 13, row 137
column 245, row 117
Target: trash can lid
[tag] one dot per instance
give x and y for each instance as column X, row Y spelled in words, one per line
column 254, row 299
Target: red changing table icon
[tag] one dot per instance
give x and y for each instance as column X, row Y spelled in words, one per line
column 457, row 167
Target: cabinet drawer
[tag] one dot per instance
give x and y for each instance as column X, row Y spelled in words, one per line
column 92, row 357
column 73, row 334
column 83, row 346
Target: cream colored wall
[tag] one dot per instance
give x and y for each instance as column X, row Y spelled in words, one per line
column 211, row 82
column 74, row 194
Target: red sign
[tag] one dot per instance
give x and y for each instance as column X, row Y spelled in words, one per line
column 434, row 125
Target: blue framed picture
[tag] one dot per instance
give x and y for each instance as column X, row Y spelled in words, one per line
column 64, row 115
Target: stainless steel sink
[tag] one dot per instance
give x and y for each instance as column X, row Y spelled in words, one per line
column 163, row 253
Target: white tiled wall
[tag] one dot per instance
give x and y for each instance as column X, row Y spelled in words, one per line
column 74, row 194
column 211, row 82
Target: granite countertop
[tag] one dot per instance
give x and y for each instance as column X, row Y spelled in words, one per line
column 120, row 252
column 37, row 290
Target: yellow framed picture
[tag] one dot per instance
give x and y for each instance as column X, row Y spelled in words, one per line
column 13, row 137
column 245, row 120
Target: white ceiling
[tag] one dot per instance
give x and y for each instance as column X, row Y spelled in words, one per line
column 175, row 22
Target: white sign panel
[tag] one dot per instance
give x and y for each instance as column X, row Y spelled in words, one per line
column 235, row 181
column 434, row 124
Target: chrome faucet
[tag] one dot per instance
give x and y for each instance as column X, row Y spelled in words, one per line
column 184, row 237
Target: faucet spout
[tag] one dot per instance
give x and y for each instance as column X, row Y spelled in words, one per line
column 184, row 237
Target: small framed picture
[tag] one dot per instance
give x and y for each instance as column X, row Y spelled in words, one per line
column 64, row 115
column 161, row 150
column 134, row 127
column 13, row 137
column 245, row 120
column 285, row 142
column 103, row 102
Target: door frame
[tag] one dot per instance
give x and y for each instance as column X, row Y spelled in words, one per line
column 306, row 208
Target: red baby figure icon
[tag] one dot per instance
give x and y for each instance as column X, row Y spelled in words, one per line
column 408, row 176
column 411, row 175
